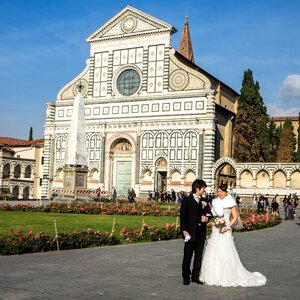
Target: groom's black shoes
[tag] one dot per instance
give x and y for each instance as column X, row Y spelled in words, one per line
column 197, row 281
column 186, row 281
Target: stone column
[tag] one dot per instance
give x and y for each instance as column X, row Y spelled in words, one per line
column 133, row 173
column 107, row 175
column 137, row 167
column 102, row 162
column 254, row 181
column 238, row 178
column 48, row 150
column 200, row 156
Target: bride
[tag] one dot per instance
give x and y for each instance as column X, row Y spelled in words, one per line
column 221, row 264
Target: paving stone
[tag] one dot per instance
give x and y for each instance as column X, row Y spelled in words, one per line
column 151, row 270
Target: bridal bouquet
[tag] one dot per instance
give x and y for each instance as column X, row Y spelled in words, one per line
column 220, row 223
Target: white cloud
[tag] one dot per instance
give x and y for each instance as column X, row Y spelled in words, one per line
column 280, row 110
column 290, row 89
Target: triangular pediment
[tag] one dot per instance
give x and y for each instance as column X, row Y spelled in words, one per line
column 129, row 22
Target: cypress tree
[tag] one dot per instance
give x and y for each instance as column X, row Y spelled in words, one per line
column 273, row 141
column 251, row 132
column 287, row 144
column 297, row 154
column 30, row 138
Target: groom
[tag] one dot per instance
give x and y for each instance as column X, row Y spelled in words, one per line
column 194, row 215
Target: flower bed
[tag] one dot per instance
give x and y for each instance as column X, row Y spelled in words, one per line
column 253, row 221
column 148, row 233
column 119, row 208
column 17, row 242
column 259, row 221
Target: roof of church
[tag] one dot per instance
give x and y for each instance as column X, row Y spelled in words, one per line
column 7, row 141
column 185, row 45
column 192, row 65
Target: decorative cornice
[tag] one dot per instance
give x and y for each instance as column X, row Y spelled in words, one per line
column 128, row 10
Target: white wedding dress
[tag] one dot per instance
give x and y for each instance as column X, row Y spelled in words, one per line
column 221, row 264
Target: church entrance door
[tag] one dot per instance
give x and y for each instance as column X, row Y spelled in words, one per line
column 123, row 177
column 161, row 175
column 121, row 166
column 161, row 181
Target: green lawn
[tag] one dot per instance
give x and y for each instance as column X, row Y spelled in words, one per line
column 36, row 221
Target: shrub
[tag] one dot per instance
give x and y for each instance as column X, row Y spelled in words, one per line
column 17, row 242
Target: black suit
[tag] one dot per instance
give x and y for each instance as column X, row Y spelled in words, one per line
column 190, row 216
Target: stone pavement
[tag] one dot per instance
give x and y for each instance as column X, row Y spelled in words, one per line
column 151, row 270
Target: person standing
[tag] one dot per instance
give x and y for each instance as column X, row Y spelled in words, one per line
column 194, row 215
column 150, row 195
column 275, row 207
column 156, row 195
column 114, row 195
column 260, row 204
column 129, row 196
column 173, row 195
column 254, row 201
column 221, row 264
column 133, row 195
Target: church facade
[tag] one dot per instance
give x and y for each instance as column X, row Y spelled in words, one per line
column 154, row 119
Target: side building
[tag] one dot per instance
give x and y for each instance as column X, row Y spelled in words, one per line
column 21, row 168
column 154, row 119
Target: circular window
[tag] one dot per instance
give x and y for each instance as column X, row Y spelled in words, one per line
column 128, row 82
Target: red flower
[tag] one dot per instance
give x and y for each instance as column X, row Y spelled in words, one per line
column 124, row 229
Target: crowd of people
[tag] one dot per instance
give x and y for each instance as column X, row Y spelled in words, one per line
column 262, row 203
column 271, row 204
column 172, row 196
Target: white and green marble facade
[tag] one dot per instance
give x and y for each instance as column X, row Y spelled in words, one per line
column 171, row 116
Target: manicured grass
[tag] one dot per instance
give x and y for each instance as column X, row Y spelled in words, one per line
column 36, row 222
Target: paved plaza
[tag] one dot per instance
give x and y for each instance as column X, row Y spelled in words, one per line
column 151, row 270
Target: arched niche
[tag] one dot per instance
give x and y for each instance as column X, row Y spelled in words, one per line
column 279, row 180
column 295, row 180
column 246, row 179
column 262, row 179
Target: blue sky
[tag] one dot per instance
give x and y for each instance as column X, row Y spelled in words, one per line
column 43, row 47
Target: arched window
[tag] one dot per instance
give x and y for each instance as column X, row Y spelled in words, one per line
column 26, row 193
column 190, row 145
column 60, row 147
column 17, row 171
column 147, row 144
column 94, row 147
column 176, row 139
column 161, row 141
column 28, row 172
column 15, row 192
column 6, row 171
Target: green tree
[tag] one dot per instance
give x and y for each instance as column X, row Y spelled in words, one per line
column 251, row 130
column 30, row 138
column 273, row 140
column 287, row 144
column 297, row 153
